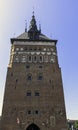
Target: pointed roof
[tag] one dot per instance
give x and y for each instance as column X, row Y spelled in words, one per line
column 25, row 36
column 33, row 26
column 33, row 34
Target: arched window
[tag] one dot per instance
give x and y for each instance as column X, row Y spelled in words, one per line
column 35, row 59
column 33, row 127
column 29, row 58
column 40, row 58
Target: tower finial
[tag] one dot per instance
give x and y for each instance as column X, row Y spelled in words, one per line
column 33, row 10
column 25, row 25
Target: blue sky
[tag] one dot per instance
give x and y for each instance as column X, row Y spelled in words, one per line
column 59, row 20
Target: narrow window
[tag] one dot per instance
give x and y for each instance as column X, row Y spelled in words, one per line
column 37, row 94
column 28, row 93
column 50, row 81
column 27, row 66
column 40, row 66
column 40, row 77
column 35, row 49
column 29, row 77
column 35, row 58
column 30, row 49
column 30, row 58
column 15, row 87
column 36, row 112
column 16, row 80
column 40, row 58
column 29, row 112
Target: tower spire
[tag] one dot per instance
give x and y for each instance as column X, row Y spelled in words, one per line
column 25, row 25
column 33, row 26
column 33, row 31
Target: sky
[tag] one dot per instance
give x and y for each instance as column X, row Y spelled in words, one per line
column 59, row 20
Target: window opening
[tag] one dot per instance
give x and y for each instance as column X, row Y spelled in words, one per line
column 37, row 94
column 29, row 77
column 30, row 49
column 25, row 49
column 33, row 127
column 35, row 58
column 28, row 93
column 27, row 66
column 29, row 112
column 50, row 81
column 40, row 58
column 36, row 112
column 35, row 49
column 29, row 58
column 40, row 66
column 16, row 80
column 40, row 77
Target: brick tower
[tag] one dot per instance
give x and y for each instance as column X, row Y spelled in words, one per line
column 34, row 98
